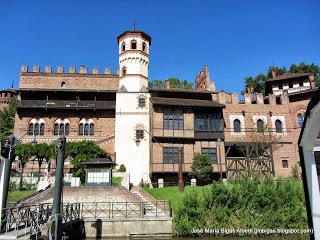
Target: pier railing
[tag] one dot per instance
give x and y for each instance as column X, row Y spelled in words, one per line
column 119, row 210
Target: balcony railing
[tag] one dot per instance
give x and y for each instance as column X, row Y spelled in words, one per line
column 66, row 104
column 208, row 134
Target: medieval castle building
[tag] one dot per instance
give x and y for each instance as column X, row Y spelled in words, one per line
column 146, row 128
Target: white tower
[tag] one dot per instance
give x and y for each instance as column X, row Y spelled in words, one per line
column 132, row 106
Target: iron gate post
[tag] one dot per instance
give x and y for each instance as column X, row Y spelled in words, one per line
column 58, row 187
column 8, row 156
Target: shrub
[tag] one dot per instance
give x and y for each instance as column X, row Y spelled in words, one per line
column 201, row 169
column 245, row 205
column 116, row 181
column 122, row 168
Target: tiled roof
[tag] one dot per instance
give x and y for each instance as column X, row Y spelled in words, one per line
column 289, row 75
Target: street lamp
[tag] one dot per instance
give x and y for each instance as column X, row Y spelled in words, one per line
column 220, row 158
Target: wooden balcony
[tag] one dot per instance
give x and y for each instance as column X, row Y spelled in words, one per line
column 66, row 104
column 208, row 134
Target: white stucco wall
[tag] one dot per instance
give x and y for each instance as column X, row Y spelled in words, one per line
column 135, row 156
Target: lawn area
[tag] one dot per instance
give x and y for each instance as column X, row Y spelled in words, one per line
column 172, row 194
column 16, row 195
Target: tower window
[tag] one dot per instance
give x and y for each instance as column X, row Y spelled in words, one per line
column 124, row 71
column 144, row 46
column 279, row 128
column 123, row 47
column 142, row 102
column 139, row 134
column 237, row 126
column 133, row 44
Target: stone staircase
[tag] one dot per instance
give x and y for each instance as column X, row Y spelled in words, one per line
column 153, row 208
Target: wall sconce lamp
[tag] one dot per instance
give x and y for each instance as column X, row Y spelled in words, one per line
column 243, row 112
column 270, row 113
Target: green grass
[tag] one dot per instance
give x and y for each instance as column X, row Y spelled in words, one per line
column 17, row 195
column 172, row 194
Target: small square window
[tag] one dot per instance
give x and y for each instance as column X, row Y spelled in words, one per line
column 142, row 102
column 285, row 164
column 139, row 134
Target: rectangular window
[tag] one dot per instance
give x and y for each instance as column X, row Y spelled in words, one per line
column 139, row 134
column 208, row 122
column 142, row 102
column 212, row 153
column 173, row 121
column 171, row 155
column 285, row 164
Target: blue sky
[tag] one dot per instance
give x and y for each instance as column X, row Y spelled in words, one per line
column 235, row 38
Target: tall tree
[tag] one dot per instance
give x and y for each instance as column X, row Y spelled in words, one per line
column 83, row 151
column 7, row 116
column 24, row 153
column 42, row 152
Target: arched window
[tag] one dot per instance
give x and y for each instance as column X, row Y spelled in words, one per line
column 124, row 71
column 260, row 126
column 36, row 127
column 123, row 47
column 278, row 125
column 237, row 126
column 144, row 46
column 133, row 44
column 61, row 127
column 300, row 119
column 86, row 127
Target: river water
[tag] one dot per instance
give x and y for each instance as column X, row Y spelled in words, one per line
column 290, row 237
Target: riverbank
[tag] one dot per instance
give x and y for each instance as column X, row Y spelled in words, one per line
column 242, row 205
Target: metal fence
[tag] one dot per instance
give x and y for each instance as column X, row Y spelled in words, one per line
column 31, row 219
column 120, row 210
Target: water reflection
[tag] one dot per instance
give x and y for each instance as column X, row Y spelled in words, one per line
column 291, row 237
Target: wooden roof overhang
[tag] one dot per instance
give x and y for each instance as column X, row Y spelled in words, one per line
column 185, row 103
column 101, row 162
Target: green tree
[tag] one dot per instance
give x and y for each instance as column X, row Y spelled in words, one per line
column 80, row 152
column 42, row 152
column 24, row 153
column 257, row 83
column 174, row 83
column 7, row 116
column 202, row 169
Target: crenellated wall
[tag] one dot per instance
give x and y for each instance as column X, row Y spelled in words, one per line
column 68, row 78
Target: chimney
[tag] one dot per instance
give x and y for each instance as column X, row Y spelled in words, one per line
column 167, row 84
column 312, row 81
column 260, row 98
column 107, row 71
column 274, row 73
column 83, row 69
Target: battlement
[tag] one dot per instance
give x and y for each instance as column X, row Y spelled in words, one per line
column 65, row 70
column 253, row 98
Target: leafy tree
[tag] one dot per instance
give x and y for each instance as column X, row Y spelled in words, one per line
column 201, row 169
column 257, row 83
column 24, row 153
column 122, row 168
column 174, row 83
column 42, row 152
column 80, row 152
column 7, row 116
